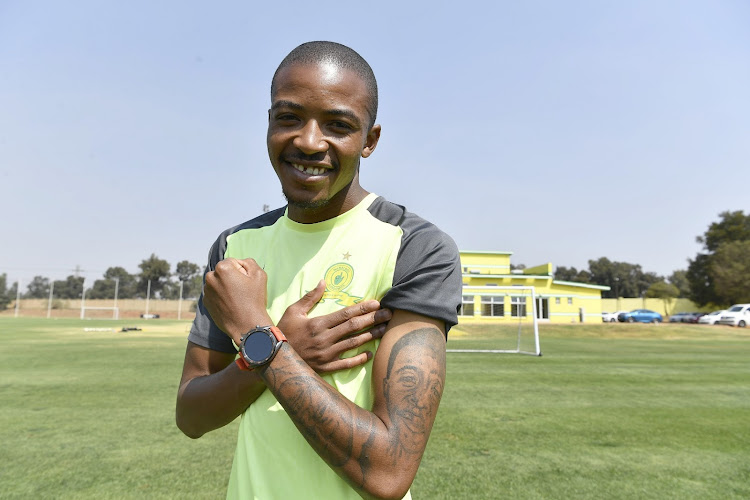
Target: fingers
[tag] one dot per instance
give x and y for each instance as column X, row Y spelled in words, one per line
column 308, row 301
column 359, row 324
column 346, row 363
column 244, row 266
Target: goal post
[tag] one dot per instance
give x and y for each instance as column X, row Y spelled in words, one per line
column 85, row 309
column 511, row 313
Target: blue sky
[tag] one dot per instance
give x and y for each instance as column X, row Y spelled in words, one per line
column 561, row 131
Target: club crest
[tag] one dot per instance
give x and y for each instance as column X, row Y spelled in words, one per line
column 338, row 278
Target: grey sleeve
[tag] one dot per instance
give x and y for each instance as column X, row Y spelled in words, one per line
column 204, row 331
column 427, row 278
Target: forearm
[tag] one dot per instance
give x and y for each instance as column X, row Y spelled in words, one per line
column 355, row 442
column 209, row 402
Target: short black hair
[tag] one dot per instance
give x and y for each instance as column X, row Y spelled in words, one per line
column 340, row 55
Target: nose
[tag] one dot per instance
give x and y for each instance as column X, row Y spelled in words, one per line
column 310, row 139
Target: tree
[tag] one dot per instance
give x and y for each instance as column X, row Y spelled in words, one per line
column 69, row 288
column 563, row 273
column 665, row 291
column 38, row 288
column 155, row 270
column 730, row 269
column 114, row 277
column 705, row 276
column 6, row 294
column 679, row 279
column 623, row 279
column 192, row 281
column 733, row 226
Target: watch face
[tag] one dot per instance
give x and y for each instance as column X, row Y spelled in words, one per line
column 258, row 346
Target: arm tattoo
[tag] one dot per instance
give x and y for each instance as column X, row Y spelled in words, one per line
column 413, row 387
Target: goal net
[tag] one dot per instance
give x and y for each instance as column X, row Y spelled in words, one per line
column 505, row 321
column 88, row 312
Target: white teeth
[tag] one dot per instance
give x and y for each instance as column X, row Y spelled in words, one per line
column 309, row 170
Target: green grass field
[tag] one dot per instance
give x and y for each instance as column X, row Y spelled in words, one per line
column 609, row 411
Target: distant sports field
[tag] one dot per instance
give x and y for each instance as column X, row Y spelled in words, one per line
column 609, row 411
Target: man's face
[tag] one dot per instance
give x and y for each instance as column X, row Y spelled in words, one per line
column 413, row 393
column 317, row 132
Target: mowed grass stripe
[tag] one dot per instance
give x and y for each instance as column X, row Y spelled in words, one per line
column 609, row 411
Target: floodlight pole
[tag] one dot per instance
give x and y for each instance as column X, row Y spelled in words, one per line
column 49, row 302
column 148, row 295
column 117, row 289
column 18, row 298
column 83, row 298
column 179, row 304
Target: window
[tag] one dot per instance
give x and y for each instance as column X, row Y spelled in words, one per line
column 557, row 300
column 493, row 305
column 467, row 305
column 570, row 300
column 518, row 306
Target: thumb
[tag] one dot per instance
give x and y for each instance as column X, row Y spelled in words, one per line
column 308, row 301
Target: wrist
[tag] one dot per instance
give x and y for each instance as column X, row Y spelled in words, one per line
column 259, row 346
column 241, row 328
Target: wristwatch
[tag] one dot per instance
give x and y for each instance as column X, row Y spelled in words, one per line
column 259, row 346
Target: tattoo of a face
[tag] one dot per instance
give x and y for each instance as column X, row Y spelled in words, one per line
column 413, row 387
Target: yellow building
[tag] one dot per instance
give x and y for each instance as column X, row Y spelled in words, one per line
column 487, row 277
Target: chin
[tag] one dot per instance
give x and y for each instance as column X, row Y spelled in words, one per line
column 305, row 204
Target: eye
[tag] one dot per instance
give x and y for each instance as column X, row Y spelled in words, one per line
column 341, row 127
column 286, row 118
column 408, row 381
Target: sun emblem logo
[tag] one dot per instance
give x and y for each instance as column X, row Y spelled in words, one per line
column 338, row 278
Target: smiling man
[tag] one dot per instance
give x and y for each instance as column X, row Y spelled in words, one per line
column 339, row 303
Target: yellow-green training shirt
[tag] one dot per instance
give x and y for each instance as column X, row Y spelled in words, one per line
column 377, row 250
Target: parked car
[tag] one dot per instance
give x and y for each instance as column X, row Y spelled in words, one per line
column 611, row 317
column 711, row 318
column 677, row 317
column 641, row 315
column 737, row 315
column 692, row 317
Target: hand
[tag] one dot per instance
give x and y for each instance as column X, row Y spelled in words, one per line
column 321, row 341
column 235, row 296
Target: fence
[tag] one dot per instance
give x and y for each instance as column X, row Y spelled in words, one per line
column 127, row 308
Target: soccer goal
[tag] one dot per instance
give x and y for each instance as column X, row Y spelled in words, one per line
column 514, row 328
column 99, row 312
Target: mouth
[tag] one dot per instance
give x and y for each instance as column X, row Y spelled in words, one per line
column 309, row 170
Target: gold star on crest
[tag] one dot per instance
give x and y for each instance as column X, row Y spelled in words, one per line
column 347, row 255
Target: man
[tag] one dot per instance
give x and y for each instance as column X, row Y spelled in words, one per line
column 345, row 407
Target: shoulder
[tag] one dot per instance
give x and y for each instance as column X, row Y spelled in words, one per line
column 427, row 274
column 416, row 229
column 421, row 238
column 220, row 245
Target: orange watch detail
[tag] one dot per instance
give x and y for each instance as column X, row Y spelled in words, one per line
column 242, row 363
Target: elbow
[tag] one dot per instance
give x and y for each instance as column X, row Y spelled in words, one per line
column 384, row 493
column 189, row 430
column 386, row 488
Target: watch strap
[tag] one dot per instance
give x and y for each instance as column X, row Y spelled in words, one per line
column 242, row 364
column 277, row 333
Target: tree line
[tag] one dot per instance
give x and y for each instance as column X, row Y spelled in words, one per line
column 164, row 284
column 718, row 276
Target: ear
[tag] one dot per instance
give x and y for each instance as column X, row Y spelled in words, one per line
column 373, row 136
column 269, row 115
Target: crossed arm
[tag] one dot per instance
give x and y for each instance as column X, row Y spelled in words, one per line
column 377, row 452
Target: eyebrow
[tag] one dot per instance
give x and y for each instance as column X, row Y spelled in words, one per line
column 346, row 113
